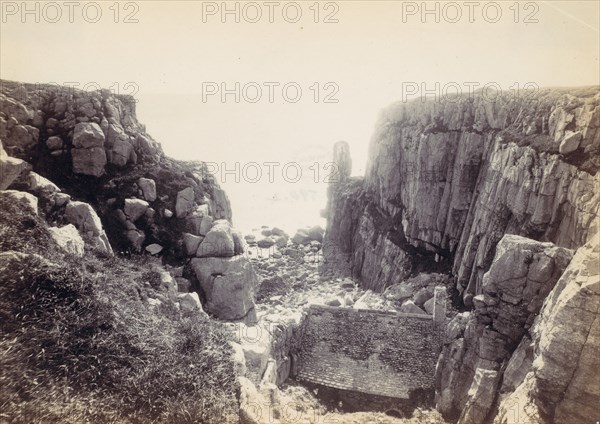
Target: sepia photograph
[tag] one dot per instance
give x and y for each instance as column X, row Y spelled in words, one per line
column 300, row 212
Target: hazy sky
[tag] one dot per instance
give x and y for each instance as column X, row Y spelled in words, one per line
column 177, row 50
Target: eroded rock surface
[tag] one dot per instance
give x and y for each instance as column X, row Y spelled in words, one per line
column 446, row 180
column 554, row 376
column 499, row 193
column 523, row 273
column 229, row 285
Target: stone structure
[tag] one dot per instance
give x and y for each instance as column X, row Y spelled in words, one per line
column 374, row 352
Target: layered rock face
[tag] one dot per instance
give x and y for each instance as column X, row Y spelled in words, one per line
column 481, row 342
column 96, row 169
column 500, row 194
column 447, row 180
column 561, row 354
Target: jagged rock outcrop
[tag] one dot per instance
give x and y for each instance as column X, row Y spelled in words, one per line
column 452, row 185
column 98, row 170
column 451, row 178
column 90, row 144
column 552, row 378
column 523, row 273
column 89, row 156
column 10, row 168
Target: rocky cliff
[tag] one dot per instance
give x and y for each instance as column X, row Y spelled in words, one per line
column 447, row 180
column 499, row 193
column 84, row 159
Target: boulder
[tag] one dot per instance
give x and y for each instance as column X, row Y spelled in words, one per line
column 41, row 185
column 265, row 243
column 429, row 305
column 191, row 243
column 278, row 232
column 250, row 402
column 22, row 138
column 239, row 359
column 54, row 143
column 218, row 241
column 136, row 238
column 15, row 109
column 68, row 239
column 167, row 213
column 199, row 221
column 148, row 187
column 400, row 292
column 316, row 233
column 185, row 202
column 422, row 296
column 135, row 208
column 26, row 199
column 84, row 217
column 87, row 135
column 348, row 284
column 168, row 285
column 10, row 169
column 89, row 161
column 121, row 152
column 301, row 237
column 239, row 246
column 146, row 145
column 61, row 199
column 219, row 204
column 154, row 248
column 334, row 302
column 229, row 285
column 570, row 142
column 409, row 307
column 189, row 302
column 102, row 243
column 281, row 241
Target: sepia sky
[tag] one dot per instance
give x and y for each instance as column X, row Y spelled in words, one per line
column 368, row 57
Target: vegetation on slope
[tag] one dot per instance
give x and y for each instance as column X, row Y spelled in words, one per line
column 78, row 343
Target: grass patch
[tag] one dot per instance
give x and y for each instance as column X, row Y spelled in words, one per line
column 79, row 343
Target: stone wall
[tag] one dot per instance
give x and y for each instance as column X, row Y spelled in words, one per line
column 368, row 351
